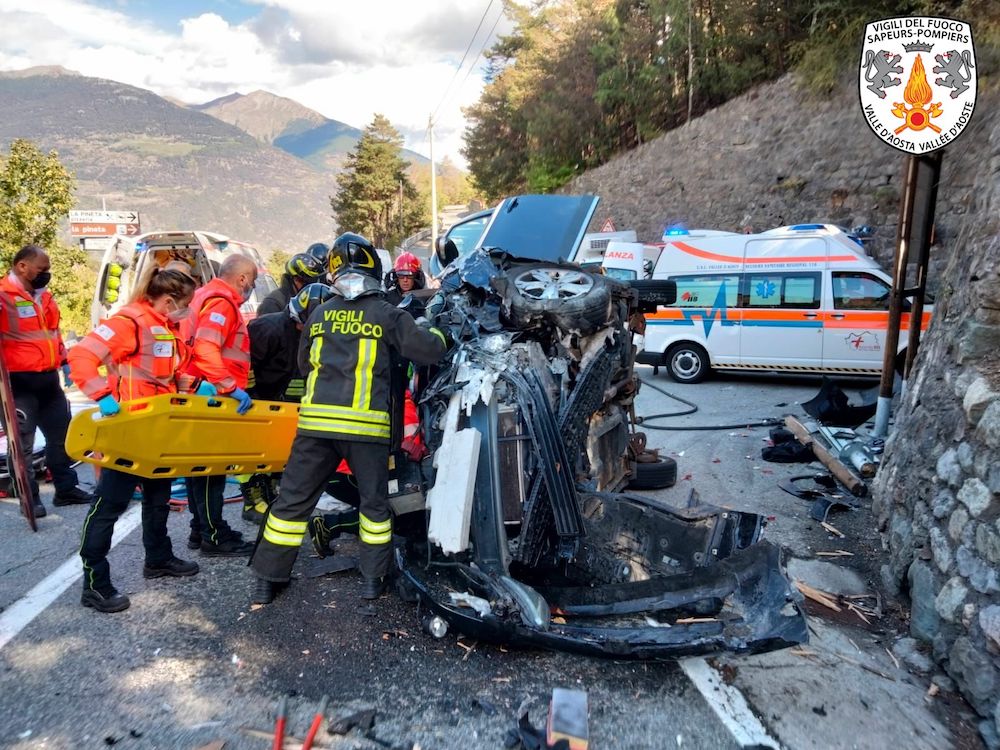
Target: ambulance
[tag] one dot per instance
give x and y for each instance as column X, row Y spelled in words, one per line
column 805, row 298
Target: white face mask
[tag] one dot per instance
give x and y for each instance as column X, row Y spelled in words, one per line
column 353, row 285
column 178, row 314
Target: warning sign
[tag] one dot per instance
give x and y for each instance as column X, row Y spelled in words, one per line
column 608, row 225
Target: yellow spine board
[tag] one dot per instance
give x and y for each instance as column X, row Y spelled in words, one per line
column 176, row 435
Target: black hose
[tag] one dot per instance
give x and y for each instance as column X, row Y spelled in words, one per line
column 644, row 421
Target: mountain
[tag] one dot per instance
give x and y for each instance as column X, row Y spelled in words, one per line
column 180, row 168
column 292, row 127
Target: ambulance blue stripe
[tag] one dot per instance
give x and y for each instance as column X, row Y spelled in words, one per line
column 746, row 323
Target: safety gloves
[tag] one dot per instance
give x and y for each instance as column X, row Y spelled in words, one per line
column 108, row 406
column 206, row 389
column 243, row 397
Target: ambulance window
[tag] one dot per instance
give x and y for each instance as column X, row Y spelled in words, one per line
column 859, row 291
column 781, row 290
column 622, row 274
column 703, row 291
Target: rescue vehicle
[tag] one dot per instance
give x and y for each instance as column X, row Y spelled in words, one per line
column 805, row 298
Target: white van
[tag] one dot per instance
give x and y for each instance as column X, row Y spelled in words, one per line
column 802, row 298
column 127, row 257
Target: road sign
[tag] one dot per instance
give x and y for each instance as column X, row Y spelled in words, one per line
column 103, row 223
column 608, row 225
column 96, row 244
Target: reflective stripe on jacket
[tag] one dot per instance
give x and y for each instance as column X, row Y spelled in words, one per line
column 218, row 337
column 29, row 329
column 346, row 349
column 141, row 349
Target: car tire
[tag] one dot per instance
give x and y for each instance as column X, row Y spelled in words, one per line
column 566, row 296
column 688, row 362
column 656, row 475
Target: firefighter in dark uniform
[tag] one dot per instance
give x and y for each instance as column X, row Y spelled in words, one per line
column 275, row 376
column 346, row 349
column 300, row 270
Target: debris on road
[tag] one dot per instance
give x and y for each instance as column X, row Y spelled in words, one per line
column 568, row 718
column 363, row 721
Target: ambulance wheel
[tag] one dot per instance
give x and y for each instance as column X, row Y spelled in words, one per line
column 688, row 363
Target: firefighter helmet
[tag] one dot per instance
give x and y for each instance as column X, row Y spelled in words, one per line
column 407, row 264
column 304, row 266
column 353, row 253
column 308, row 298
column 320, row 251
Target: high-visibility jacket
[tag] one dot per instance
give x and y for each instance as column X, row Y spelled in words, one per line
column 29, row 328
column 141, row 349
column 346, row 351
column 274, row 367
column 220, row 346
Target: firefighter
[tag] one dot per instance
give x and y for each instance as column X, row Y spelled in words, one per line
column 346, row 349
column 141, row 349
column 406, row 275
column 301, row 269
column 275, row 376
column 321, row 252
column 220, row 354
column 33, row 350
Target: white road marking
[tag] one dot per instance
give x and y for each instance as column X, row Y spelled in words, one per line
column 16, row 617
column 729, row 705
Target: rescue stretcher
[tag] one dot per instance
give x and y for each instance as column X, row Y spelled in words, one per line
column 177, row 435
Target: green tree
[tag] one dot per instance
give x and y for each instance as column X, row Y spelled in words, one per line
column 36, row 192
column 276, row 263
column 375, row 196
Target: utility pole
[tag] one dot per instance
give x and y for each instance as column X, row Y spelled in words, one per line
column 690, row 62
column 434, row 194
column 401, row 211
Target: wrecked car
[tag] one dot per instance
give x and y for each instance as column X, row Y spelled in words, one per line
column 516, row 527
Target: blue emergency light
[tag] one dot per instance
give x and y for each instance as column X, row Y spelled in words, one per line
column 675, row 231
column 806, row 227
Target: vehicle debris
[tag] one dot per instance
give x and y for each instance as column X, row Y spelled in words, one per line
column 363, row 720
column 836, row 467
column 822, row 492
column 569, row 718
column 831, row 406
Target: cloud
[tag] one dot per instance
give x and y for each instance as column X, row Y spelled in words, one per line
column 347, row 61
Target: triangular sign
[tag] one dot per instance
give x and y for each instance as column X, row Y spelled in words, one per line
column 608, row 225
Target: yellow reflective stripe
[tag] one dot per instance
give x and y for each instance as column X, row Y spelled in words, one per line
column 440, row 335
column 292, row 527
column 328, row 411
column 314, row 352
column 363, row 373
column 243, row 478
column 370, row 525
column 163, row 336
column 283, row 540
column 368, row 538
column 345, row 428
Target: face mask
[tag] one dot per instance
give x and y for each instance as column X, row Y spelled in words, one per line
column 245, row 293
column 41, row 280
column 176, row 316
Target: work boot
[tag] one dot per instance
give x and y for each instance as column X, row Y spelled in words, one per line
column 264, row 592
column 255, row 498
column 194, row 540
column 110, row 602
column 232, row 547
column 174, row 567
column 320, row 536
column 39, row 509
column 373, row 588
column 75, row 496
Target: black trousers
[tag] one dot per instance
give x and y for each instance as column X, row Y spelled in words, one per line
column 41, row 403
column 205, row 501
column 311, row 464
column 111, row 499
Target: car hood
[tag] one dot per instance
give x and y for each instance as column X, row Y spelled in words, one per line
column 540, row 227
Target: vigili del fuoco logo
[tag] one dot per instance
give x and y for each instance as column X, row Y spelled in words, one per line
column 918, row 81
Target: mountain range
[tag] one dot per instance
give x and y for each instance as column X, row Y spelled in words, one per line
column 256, row 167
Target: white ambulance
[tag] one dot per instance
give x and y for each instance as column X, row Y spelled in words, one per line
column 802, row 298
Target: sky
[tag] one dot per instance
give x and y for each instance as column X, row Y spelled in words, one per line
column 346, row 60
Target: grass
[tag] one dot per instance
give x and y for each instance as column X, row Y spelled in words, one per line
column 152, row 146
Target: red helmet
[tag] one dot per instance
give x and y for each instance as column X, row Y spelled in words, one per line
column 407, row 264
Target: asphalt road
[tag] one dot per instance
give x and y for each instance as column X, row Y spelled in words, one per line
column 190, row 663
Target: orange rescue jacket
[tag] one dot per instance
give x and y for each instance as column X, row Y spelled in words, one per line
column 218, row 337
column 29, row 328
column 143, row 353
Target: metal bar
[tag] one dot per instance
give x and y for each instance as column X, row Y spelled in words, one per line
column 928, row 178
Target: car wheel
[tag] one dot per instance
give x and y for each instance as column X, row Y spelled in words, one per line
column 569, row 297
column 656, row 475
column 688, row 363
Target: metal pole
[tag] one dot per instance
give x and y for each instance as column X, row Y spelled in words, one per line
column 434, row 194
column 903, row 232
column 928, row 178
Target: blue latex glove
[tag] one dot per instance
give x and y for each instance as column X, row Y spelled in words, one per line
column 206, row 389
column 67, row 380
column 108, row 406
column 244, row 398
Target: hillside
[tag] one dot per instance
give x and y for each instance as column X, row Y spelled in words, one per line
column 178, row 167
column 292, row 127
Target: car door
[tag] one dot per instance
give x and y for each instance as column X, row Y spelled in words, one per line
column 782, row 327
column 855, row 325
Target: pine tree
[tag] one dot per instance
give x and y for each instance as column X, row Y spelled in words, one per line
column 368, row 197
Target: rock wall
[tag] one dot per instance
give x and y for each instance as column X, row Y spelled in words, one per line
column 772, row 157
column 775, row 157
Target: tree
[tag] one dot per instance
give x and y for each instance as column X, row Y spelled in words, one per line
column 276, row 263
column 375, row 196
column 36, row 192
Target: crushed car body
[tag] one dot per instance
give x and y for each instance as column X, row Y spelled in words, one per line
column 528, row 536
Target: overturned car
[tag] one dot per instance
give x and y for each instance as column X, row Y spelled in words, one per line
column 526, row 536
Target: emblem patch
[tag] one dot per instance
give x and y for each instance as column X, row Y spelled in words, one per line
column 917, row 81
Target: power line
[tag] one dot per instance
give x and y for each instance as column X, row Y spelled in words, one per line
column 464, row 56
column 482, row 48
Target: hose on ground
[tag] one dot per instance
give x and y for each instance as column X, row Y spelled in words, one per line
column 693, row 407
